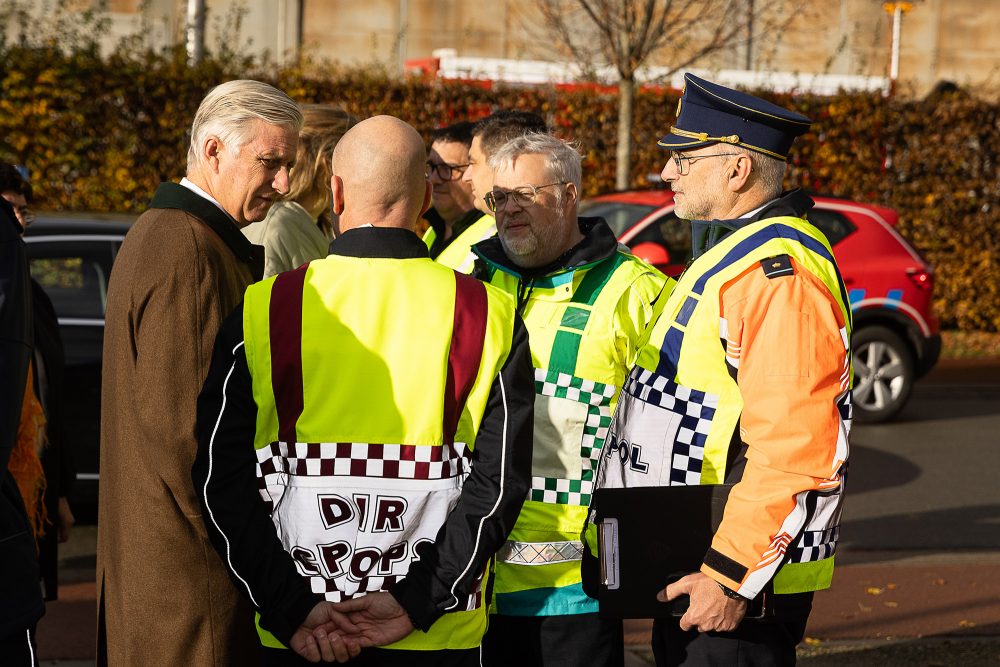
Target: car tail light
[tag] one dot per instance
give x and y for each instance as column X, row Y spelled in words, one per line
column 922, row 278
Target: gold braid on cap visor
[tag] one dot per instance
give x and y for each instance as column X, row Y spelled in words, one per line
column 701, row 137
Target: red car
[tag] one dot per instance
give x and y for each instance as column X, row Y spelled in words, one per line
column 896, row 338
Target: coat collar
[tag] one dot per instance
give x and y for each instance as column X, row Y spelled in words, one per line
column 438, row 224
column 707, row 233
column 173, row 196
column 379, row 242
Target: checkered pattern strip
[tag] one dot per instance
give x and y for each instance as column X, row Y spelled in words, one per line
column 329, row 589
column 563, row 385
column 540, row 553
column 597, row 396
column 331, row 592
column 815, row 545
column 696, row 409
column 845, row 406
column 359, row 459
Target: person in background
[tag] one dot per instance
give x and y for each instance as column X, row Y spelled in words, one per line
column 21, row 596
column 455, row 223
column 299, row 227
column 48, row 365
column 164, row 595
column 585, row 301
column 489, row 134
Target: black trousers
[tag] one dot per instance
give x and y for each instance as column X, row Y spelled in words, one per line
column 553, row 641
column 378, row 657
column 767, row 642
column 19, row 649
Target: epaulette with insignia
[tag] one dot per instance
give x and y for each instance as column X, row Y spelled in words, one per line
column 775, row 267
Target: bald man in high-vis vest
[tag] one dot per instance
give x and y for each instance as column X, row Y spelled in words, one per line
column 365, row 432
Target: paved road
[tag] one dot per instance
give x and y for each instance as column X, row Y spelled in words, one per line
column 918, row 581
column 928, row 480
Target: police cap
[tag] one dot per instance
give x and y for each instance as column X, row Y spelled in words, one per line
column 709, row 113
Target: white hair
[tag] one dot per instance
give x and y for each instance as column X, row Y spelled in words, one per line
column 561, row 159
column 770, row 173
column 231, row 109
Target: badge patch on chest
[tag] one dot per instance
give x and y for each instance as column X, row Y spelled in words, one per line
column 775, row 267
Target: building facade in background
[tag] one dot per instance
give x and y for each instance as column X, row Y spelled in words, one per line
column 940, row 39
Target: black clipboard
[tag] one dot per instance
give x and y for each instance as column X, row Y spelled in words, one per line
column 649, row 537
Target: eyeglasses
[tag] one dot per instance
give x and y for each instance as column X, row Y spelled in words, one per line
column 523, row 196
column 444, row 171
column 683, row 163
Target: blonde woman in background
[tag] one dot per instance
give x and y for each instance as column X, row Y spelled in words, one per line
column 298, row 229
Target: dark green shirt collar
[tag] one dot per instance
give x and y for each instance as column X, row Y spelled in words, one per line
column 178, row 197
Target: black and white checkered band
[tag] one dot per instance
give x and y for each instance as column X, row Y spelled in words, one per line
column 815, row 545
column 845, row 406
column 696, row 409
column 332, row 593
column 361, row 459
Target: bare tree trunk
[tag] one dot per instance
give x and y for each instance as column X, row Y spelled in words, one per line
column 623, row 153
column 195, row 31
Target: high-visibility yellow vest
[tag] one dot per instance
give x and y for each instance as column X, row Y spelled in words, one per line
column 682, row 391
column 366, row 424
column 458, row 254
column 581, row 357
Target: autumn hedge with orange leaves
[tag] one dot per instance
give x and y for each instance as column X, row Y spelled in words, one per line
column 100, row 132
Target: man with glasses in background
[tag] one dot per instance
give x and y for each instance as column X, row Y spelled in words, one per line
column 585, row 301
column 453, row 213
column 463, row 149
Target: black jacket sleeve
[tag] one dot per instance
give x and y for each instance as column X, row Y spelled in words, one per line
column 225, row 479
column 20, row 596
column 50, row 358
column 490, row 501
column 15, row 328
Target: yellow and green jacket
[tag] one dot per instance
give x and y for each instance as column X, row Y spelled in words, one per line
column 585, row 317
column 383, row 455
column 457, row 253
column 746, row 378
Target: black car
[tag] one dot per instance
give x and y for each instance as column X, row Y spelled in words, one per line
column 70, row 256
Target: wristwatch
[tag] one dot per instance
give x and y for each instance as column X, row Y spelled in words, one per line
column 731, row 594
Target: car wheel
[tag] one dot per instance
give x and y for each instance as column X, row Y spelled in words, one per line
column 883, row 374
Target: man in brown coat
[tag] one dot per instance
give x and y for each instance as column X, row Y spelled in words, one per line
column 164, row 595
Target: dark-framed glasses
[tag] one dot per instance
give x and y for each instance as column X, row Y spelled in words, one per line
column 683, row 162
column 524, row 195
column 444, row 170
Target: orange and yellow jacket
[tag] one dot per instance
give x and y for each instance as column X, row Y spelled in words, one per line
column 745, row 378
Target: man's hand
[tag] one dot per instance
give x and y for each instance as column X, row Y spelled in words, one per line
column 710, row 610
column 378, row 617
column 327, row 635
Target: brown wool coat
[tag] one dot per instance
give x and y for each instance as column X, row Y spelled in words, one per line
column 164, row 594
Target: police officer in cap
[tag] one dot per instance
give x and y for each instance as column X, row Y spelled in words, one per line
column 769, row 409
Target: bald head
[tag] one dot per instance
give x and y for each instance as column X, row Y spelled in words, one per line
column 378, row 175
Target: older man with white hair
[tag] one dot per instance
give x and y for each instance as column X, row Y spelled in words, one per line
column 164, row 595
column 585, row 301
